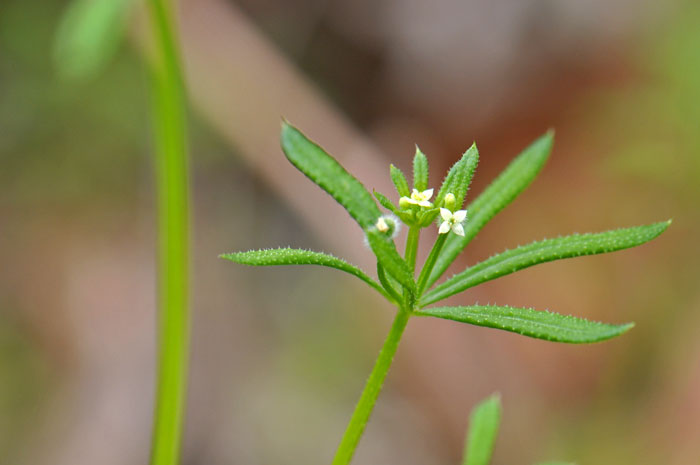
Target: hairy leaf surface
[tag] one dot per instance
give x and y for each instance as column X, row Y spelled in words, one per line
column 389, row 258
column 459, row 177
column 544, row 251
column 420, row 171
column 502, row 191
column 287, row 256
column 532, row 323
column 385, row 202
column 325, row 171
column 399, row 180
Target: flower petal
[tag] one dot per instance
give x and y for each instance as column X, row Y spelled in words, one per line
column 446, row 214
column 458, row 229
column 460, row 216
column 427, row 194
column 445, row 228
column 425, row 203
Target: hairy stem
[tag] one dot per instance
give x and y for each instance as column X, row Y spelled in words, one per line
column 171, row 172
column 430, row 264
column 364, row 407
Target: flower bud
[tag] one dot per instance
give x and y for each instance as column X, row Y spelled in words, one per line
column 450, row 201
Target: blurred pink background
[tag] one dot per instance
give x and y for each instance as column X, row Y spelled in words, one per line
column 279, row 356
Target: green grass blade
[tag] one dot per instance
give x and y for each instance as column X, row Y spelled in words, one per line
column 420, row 170
column 88, row 35
column 483, row 430
column 459, row 177
column 172, row 183
column 502, row 191
column 544, row 251
column 385, row 250
column 399, row 180
column 288, row 256
column 532, row 323
column 556, row 463
column 325, row 171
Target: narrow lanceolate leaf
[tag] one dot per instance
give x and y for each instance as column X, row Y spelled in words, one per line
column 459, row 177
column 399, row 181
column 503, row 190
column 88, row 35
column 483, row 429
column 385, row 250
column 547, row 250
column 325, row 171
column 532, row 323
column 386, row 203
column 420, row 170
column 287, row 256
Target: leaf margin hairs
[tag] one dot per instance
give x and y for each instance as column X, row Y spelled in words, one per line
column 420, row 170
column 525, row 321
column 512, row 181
column 547, row 250
column 326, row 172
column 283, row 256
column 459, row 177
column 387, row 255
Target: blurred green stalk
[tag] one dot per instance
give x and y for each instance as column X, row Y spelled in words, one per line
column 171, row 169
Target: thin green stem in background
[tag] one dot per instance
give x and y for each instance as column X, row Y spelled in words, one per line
column 364, row 407
column 171, row 169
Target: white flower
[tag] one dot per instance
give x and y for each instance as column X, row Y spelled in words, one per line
column 388, row 224
column 452, row 221
column 381, row 225
column 422, row 199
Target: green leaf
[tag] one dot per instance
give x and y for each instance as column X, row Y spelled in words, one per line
column 386, row 203
column 287, row 256
column 532, row 323
column 385, row 250
column 399, row 180
column 503, row 190
column 459, row 177
column 88, row 35
column 420, row 171
column 483, row 430
column 325, row 171
column 386, row 282
column 547, row 250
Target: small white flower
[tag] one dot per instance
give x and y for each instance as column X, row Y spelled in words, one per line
column 388, row 224
column 452, row 221
column 381, row 225
column 422, row 199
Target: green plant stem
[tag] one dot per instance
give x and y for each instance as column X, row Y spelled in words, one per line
column 171, row 172
column 364, row 407
column 388, row 287
column 412, row 246
column 430, row 263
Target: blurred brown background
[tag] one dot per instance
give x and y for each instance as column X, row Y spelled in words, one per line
column 279, row 356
